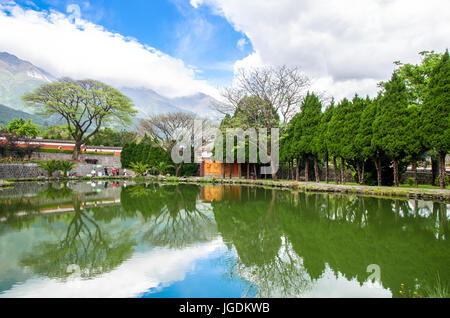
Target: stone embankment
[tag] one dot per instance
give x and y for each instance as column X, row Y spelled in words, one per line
column 412, row 193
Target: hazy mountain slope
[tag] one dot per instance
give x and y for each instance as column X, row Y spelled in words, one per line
column 149, row 102
column 199, row 103
column 18, row 77
column 7, row 114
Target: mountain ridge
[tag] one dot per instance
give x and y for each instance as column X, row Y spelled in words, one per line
column 18, row 77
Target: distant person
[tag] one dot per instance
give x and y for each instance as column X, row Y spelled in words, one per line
column 118, row 172
column 106, row 172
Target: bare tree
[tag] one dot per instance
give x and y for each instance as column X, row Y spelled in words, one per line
column 283, row 87
column 169, row 129
column 273, row 93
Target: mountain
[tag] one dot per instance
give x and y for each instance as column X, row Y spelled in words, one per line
column 149, row 102
column 7, row 114
column 200, row 103
column 18, row 77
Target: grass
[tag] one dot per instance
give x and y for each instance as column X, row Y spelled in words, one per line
column 421, row 186
column 438, row 290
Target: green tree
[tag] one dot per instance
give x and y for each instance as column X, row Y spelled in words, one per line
column 390, row 125
column 86, row 105
column 23, row 128
column 436, row 113
column 336, row 133
column 109, row 137
column 57, row 132
column 352, row 147
column 321, row 141
column 311, row 112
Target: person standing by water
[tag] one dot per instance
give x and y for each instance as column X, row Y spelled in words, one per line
column 106, row 172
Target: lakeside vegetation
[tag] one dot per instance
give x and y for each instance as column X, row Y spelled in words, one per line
column 407, row 124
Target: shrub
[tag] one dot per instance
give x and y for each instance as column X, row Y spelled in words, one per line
column 139, row 168
column 410, row 182
column 438, row 180
column 49, row 166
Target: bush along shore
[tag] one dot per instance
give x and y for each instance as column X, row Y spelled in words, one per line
column 411, row 193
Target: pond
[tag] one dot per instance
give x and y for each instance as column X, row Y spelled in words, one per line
column 150, row 240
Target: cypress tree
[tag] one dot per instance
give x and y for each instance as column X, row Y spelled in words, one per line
column 391, row 122
column 436, row 113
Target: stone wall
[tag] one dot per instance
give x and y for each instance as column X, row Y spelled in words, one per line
column 106, row 161
column 31, row 170
column 423, row 176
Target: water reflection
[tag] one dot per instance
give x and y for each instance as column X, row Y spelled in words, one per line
column 150, row 240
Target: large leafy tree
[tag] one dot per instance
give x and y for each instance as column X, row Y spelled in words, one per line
column 436, row 113
column 85, row 105
column 390, row 125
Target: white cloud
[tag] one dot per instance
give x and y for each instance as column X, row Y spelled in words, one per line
column 241, row 43
column 347, row 46
column 134, row 277
column 67, row 45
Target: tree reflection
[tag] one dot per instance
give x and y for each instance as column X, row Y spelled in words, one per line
column 285, row 241
column 170, row 213
column 265, row 257
column 85, row 244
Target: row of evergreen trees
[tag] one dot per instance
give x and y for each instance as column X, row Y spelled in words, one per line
column 409, row 119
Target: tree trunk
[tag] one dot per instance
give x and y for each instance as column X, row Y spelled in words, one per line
column 414, row 169
column 326, row 167
column 306, row 170
column 255, row 171
column 316, row 169
column 76, row 151
column 289, row 171
column 342, row 170
column 297, row 168
column 231, row 169
column 272, row 168
column 442, row 169
column 378, row 167
column 178, row 169
column 336, row 177
column 223, row 170
column 358, row 170
column 434, row 169
column 293, row 171
column 362, row 172
column 248, row 171
column 396, row 181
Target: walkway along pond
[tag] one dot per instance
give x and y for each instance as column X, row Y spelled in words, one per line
column 123, row 239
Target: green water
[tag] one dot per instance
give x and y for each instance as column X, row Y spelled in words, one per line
column 148, row 240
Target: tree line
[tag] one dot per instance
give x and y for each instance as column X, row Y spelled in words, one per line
column 407, row 121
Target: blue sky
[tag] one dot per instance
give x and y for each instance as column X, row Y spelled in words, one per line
column 182, row 47
column 203, row 40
